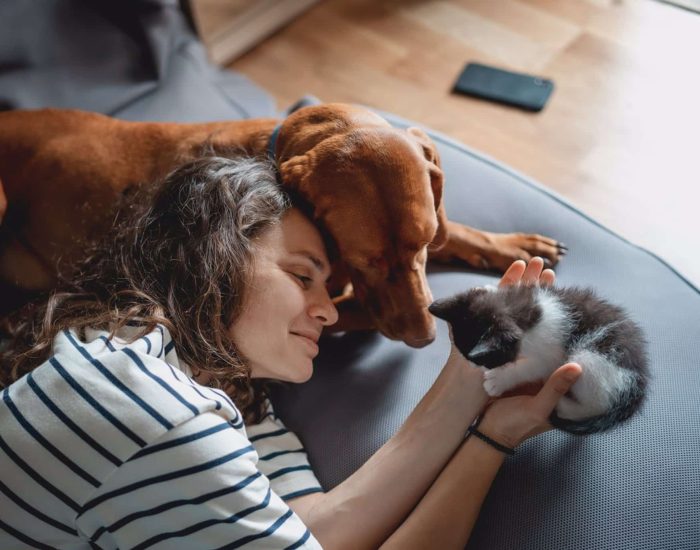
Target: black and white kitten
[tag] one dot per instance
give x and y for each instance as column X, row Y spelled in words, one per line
column 523, row 334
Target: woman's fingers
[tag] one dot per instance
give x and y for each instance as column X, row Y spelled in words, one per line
column 556, row 386
column 531, row 273
column 547, row 278
column 513, row 274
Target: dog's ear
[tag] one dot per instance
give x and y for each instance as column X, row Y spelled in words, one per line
column 293, row 172
column 437, row 180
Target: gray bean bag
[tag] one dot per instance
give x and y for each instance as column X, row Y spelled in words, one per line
column 636, row 487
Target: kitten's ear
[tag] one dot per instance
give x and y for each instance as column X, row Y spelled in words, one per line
column 442, row 309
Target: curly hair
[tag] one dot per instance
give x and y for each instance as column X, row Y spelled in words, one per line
column 180, row 255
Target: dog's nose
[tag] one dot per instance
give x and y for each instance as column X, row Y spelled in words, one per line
column 419, row 342
column 416, row 328
column 418, row 339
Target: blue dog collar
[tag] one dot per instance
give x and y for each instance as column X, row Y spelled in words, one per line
column 272, row 144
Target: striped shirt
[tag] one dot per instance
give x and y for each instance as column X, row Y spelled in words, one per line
column 113, row 445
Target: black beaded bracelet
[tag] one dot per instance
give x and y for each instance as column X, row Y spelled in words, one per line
column 494, row 444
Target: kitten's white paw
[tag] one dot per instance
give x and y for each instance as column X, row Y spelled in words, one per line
column 493, row 383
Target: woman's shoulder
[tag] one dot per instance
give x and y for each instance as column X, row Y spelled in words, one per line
column 135, row 390
column 93, row 344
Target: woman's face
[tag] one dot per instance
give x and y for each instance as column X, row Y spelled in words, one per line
column 287, row 304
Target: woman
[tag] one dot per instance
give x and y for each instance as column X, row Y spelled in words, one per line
column 113, row 429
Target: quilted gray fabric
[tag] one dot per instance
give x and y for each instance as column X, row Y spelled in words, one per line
column 133, row 59
column 634, row 488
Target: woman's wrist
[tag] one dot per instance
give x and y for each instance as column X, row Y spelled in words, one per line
column 478, row 434
column 467, row 376
column 493, row 431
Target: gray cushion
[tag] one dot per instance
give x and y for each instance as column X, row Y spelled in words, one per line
column 133, row 59
column 637, row 487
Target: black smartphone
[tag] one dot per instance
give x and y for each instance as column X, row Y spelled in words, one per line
column 518, row 89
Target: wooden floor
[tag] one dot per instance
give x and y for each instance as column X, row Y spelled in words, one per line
column 619, row 138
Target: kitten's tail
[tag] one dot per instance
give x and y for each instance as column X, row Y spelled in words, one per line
column 627, row 403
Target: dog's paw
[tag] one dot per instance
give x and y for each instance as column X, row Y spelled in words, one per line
column 505, row 248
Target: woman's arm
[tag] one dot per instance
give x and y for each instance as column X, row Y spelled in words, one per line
column 388, row 486
column 445, row 516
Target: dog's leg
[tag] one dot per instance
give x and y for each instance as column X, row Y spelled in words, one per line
column 497, row 251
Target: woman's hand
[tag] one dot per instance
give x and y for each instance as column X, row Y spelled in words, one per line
column 529, row 274
column 512, row 420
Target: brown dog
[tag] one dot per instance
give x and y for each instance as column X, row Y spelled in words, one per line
column 376, row 190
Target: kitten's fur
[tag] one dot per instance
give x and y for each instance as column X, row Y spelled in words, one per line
column 523, row 334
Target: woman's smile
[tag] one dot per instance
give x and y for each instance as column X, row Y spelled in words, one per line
column 308, row 341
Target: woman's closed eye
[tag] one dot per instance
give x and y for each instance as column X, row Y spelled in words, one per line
column 303, row 279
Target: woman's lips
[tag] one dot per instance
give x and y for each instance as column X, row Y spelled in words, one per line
column 310, row 342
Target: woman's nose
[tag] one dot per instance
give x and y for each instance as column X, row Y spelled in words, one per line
column 323, row 308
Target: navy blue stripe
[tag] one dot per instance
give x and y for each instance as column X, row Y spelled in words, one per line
column 204, row 524
column 269, row 434
column 301, row 541
column 99, row 408
column 34, row 512
column 180, row 440
column 169, row 347
column 238, row 424
column 226, row 398
column 266, row 533
column 174, row 504
column 165, row 477
column 24, row 538
column 118, row 383
column 193, row 385
column 108, row 343
column 290, row 469
column 148, row 344
column 36, row 477
column 280, row 453
column 162, row 341
column 72, row 425
column 50, row 447
column 297, row 494
column 218, row 403
column 136, row 359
